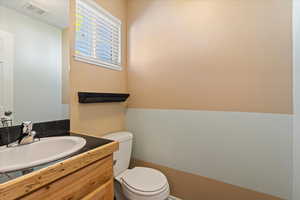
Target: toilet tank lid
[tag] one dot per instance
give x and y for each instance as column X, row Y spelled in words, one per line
column 119, row 136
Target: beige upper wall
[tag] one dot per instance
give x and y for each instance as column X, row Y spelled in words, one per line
column 98, row 119
column 229, row 55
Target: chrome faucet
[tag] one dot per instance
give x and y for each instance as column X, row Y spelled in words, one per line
column 28, row 134
column 6, row 120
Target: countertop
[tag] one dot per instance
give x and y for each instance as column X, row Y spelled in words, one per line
column 95, row 149
column 91, row 143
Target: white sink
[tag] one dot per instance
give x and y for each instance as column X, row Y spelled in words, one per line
column 37, row 153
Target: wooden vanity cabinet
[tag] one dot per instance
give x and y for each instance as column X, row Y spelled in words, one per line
column 88, row 176
column 95, row 178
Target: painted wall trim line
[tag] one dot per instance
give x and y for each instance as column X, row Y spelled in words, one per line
column 225, row 111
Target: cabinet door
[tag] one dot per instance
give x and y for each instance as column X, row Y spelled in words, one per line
column 78, row 184
column 105, row 192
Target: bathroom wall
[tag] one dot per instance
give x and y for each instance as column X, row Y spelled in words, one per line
column 65, row 66
column 211, row 94
column 211, row 55
column 98, row 119
column 37, row 68
column 296, row 121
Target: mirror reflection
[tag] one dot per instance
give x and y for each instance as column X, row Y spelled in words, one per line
column 33, row 61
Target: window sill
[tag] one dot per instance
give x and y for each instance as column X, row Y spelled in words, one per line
column 98, row 63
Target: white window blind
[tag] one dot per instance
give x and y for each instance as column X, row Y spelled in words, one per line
column 98, row 36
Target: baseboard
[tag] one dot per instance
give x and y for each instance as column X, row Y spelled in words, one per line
column 189, row 186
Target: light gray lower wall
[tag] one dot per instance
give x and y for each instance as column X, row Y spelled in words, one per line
column 251, row 150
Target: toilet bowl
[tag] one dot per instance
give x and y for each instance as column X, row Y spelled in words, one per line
column 139, row 183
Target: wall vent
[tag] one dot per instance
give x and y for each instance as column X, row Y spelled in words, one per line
column 33, row 8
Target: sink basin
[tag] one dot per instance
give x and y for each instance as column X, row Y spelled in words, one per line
column 37, row 153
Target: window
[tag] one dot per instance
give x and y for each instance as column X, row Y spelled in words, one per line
column 98, row 36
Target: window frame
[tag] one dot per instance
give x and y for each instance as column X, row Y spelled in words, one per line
column 110, row 17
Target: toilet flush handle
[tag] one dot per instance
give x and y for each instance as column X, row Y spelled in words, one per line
column 114, row 162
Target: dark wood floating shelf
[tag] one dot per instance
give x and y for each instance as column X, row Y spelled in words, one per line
column 90, row 97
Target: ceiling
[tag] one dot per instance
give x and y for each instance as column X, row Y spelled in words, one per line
column 57, row 11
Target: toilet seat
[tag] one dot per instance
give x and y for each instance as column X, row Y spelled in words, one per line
column 145, row 180
column 141, row 183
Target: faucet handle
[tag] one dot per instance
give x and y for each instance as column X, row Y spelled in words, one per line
column 27, row 127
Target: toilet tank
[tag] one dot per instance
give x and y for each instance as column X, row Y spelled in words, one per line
column 122, row 156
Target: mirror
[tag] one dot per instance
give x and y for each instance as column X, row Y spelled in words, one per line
column 34, row 61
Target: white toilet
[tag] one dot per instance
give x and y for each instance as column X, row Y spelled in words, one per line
column 139, row 183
